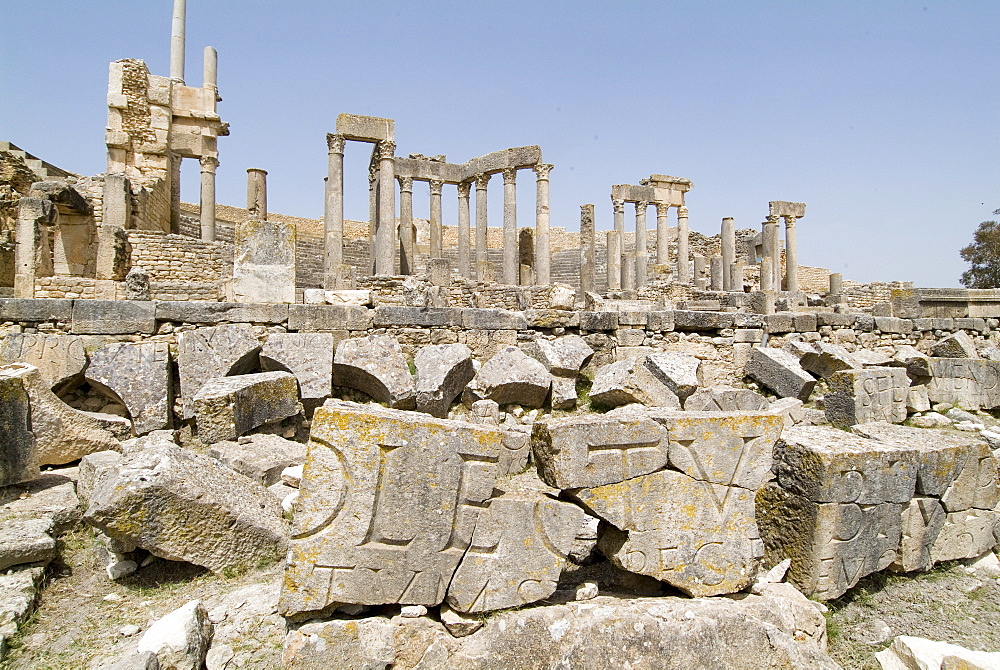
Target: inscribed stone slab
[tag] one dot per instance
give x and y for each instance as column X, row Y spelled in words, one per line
column 864, row 396
column 139, row 374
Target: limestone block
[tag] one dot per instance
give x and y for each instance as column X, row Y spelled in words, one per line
column 516, row 449
column 510, row 377
column 18, row 449
column 206, row 353
column 181, row 639
column 959, row 345
column 873, row 359
column 681, row 373
column 308, row 356
column 696, row 536
column 593, row 450
column 19, row 589
column 915, row 361
column 831, row 545
column 113, row 317
column 227, row 407
column 518, row 550
column 828, row 358
column 375, row 365
column 365, row 128
column 864, row 396
column 976, row 484
column 827, row 465
column 261, row 458
column 917, row 399
column 92, row 468
column 907, row 652
column 780, row 371
column 137, row 284
column 184, row 506
column 26, row 541
column 630, row 381
column 139, row 374
column 564, row 356
column 921, row 523
column 790, row 410
column 485, row 412
column 725, row 399
column 264, row 262
column 443, row 371
column 358, row 297
column 388, row 504
column 966, row 534
column 564, row 394
column 59, row 358
column 969, row 383
column 732, row 448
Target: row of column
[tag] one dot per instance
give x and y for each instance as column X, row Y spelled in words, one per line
column 629, row 271
column 770, row 275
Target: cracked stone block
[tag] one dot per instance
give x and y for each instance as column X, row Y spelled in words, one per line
column 511, row 377
column 26, row 540
column 228, row 407
column 443, row 371
column 630, row 381
column 680, row 373
column 18, row 450
column 959, row 345
column 261, row 458
column 921, row 523
column 59, row 358
column 966, row 534
column 725, row 399
column 564, row 357
column 139, row 374
column 308, row 356
column 388, row 505
column 18, row 592
column 780, row 371
column 207, row 353
column 825, row 359
column 968, row 383
column 375, row 365
column 916, row 362
column 864, row 396
column 181, row 639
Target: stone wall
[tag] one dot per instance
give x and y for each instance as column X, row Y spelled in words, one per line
column 178, row 258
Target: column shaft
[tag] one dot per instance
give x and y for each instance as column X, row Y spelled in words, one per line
column 791, row 256
column 641, row 256
column 587, row 251
column 435, row 223
column 614, row 261
column 728, row 252
column 385, row 251
column 407, row 237
column 619, row 210
column 177, row 41
column 257, row 194
column 464, row 243
column 662, row 233
column 683, row 255
column 482, row 234
column 333, row 213
column 207, row 208
column 543, row 258
column 510, row 273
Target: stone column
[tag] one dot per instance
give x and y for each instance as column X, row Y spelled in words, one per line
column 464, row 242
column 614, row 261
column 662, row 233
column 717, row 272
column 543, row 258
column 836, row 283
column 769, row 230
column 766, row 274
column 641, row 257
column 372, row 215
column 207, row 206
column 699, row 267
column 628, row 272
column 619, row 209
column 437, row 250
column 177, row 41
column 587, row 250
column 385, row 252
column 32, row 251
column 211, row 69
column 257, row 194
column 791, row 257
column 683, row 258
column 509, row 225
column 482, row 234
column 771, row 250
column 729, row 253
column 333, row 213
column 407, row 231
column 736, row 275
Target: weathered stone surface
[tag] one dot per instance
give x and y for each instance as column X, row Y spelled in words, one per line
column 510, row 377
column 681, row 373
column 368, row 644
column 914, row 652
column 780, row 371
column 59, row 358
column 443, row 370
column 18, row 449
column 264, row 262
column 261, row 458
column 113, row 317
column 969, row 383
column 184, row 506
column 375, row 365
column 959, row 345
column 826, row 358
column 864, row 396
column 966, row 534
column 518, row 549
column 915, row 361
column 630, row 381
column 790, row 410
column 139, row 374
column 308, row 356
column 831, row 545
column 388, row 505
column 18, row 591
column 563, row 357
column 207, row 353
column 51, row 497
column 227, row 407
column 699, row 537
column 180, row 639
column 725, row 399
column 589, row 451
column 921, row 523
column 26, row 541
column 137, row 284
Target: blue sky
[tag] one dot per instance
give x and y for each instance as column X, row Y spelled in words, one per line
column 882, row 116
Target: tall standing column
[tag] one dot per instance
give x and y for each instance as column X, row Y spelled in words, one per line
column 771, row 249
column 662, row 233
column 207, row 209
column 728, row 253
column 543, row 258
column 683, row 255
column 482, row 234
column 210, row 69
column 791, row 256
column 437, row 250
column 619, row 223
column 464, row 242
column 385, row 255
column 333, row 213
column 510, row 226
column 587, row 250
column 614, row 261
column 177, row 41
column 641, row 256
column 257, row 194
column 407, row 231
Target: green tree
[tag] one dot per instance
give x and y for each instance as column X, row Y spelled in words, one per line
column 984, row 256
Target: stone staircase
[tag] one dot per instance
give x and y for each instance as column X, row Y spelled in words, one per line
column 41, row 169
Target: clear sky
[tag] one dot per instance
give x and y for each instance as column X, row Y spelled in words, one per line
column 882, row 116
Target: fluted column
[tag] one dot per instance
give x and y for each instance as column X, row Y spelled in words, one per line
column 510, row 226
column 385, row 253
column 207, row 210
column 791, row 256
column 333, row 213
column 407, row 231
column 619, row 223
column 728, row 253
column 683, row 255
column 662, row 233
column 257, row 194
column 482, row 234
column 464, row 241
column 435, row 223
column 641, row 257
column 543, row 258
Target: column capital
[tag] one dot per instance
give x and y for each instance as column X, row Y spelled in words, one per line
column 662, row 208
column 619, row 205
column 771, row 218
column 509, row 175
column 640, row 206
column 790, row 221
column 542, row 170
column 682, row 211
column 386, row 149
column 405, row 184
column 481, row 181
column 208, row 163
column 436, row 185
column 464, row 189
column 335, row 143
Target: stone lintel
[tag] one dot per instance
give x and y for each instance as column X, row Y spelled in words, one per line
column 365, row 128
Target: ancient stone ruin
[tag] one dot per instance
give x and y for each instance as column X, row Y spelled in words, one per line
column 644, row 447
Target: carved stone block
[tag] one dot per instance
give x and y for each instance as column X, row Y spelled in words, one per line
column 863, row 396
column 139, row 374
